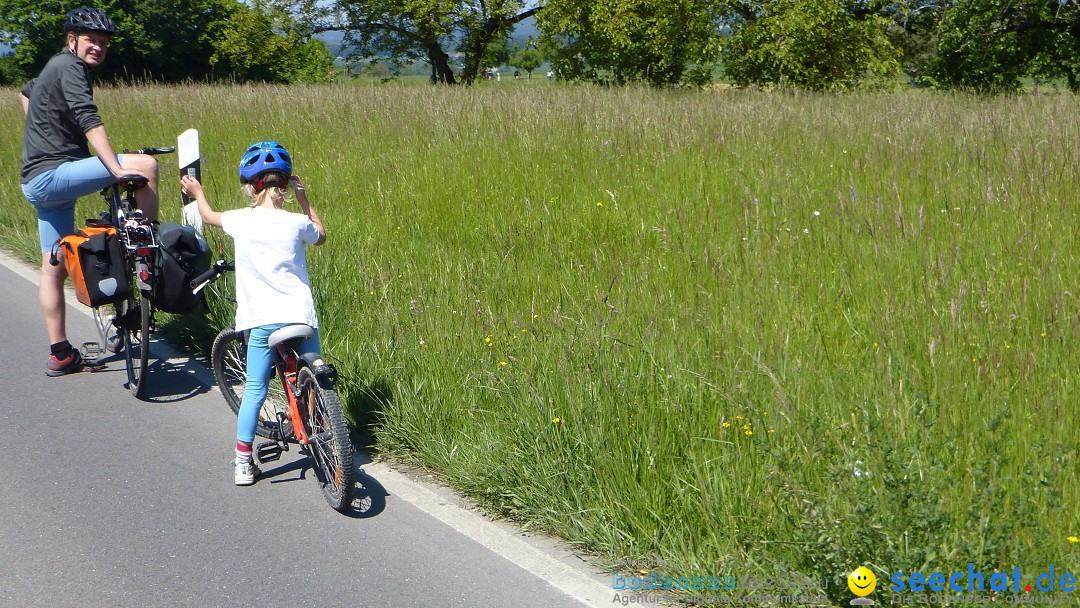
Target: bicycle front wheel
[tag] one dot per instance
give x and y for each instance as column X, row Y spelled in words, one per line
column 103, row 318
column 136, row 339
column 330, row 446
column 229, row 359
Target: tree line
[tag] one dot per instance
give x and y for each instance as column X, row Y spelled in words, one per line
column 988, row 46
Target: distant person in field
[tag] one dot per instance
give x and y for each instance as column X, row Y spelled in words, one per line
column 57, row 167
column 272, row 284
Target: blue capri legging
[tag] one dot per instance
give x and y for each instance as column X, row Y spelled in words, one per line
column 53, row 194
column 260, row 365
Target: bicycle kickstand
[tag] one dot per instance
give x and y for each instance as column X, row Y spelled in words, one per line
column 269, row 451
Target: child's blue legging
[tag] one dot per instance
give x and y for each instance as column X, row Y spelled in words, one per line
column 260, row 365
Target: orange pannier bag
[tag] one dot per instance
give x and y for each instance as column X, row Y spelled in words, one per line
column 95, row 262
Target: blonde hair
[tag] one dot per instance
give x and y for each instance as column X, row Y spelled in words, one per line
column 277, row 194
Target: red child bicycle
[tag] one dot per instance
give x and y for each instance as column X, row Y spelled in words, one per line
column 301, row 406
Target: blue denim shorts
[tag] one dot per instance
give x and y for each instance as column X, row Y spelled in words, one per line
column 54, row 192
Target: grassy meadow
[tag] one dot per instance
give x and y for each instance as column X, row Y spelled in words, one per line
column 742, row 333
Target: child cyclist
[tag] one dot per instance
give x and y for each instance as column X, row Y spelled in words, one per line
column 272, row 285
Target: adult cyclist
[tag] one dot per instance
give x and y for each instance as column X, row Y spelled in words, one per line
column 57, row 167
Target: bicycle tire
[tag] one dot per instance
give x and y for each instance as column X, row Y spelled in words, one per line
column 228, row 357
column 111, row 340
column 330, row 448
column 137, row 343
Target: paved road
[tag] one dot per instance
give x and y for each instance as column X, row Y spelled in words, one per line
column 110, row 501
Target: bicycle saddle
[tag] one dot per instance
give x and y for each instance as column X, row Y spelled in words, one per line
column 133, row 181
column 296, row 331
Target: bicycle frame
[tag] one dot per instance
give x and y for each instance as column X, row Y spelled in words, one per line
column 132, row 319
column 140, row 252
column 286, row 364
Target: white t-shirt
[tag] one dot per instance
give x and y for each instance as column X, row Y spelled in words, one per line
column 272, row 284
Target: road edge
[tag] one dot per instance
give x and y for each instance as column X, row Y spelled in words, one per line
column 544, row 557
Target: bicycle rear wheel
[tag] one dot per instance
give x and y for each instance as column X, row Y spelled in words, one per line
column 330, row 446
column 107, row 333
column 229, row 359
column 136, row 338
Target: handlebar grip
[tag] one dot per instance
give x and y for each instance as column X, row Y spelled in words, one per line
column 219, row 267
column 205, row 277
column 154, row 150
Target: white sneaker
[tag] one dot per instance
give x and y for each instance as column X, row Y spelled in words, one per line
column 244, row 473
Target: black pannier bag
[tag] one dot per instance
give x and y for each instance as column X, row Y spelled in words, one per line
column 181, row 257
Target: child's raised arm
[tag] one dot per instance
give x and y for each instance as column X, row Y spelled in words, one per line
column 194, row 189
column 307, row 208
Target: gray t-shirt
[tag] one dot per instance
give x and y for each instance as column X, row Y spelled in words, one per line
column 60, row 112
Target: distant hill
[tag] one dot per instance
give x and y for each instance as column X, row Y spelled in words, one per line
column 524, row 30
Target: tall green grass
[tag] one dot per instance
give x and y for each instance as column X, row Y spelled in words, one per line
column 741, row 332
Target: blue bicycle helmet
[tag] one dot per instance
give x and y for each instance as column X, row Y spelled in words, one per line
column 264, row 157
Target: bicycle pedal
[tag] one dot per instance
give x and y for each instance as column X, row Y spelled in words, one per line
column 269, row 451
column 90, row 353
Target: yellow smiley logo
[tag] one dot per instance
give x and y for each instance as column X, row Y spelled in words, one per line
column 862, row 581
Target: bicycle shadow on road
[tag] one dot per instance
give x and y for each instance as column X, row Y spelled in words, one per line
column 369, row 496
column 170, row 381
column 167, row 380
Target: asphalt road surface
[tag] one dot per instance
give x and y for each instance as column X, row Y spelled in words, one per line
column 106, row 500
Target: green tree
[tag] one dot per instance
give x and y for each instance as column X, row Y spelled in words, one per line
column 661, row 42
column 252, row 49
column 169, row 41
column 496, row 53
column 408, row 30
column 811, row 44
column 526, row 58
column 990, row 45
column 158, row 39
column 10, row 72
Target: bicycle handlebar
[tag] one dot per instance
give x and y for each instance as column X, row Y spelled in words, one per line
column 152, row 150
column 204, row 279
